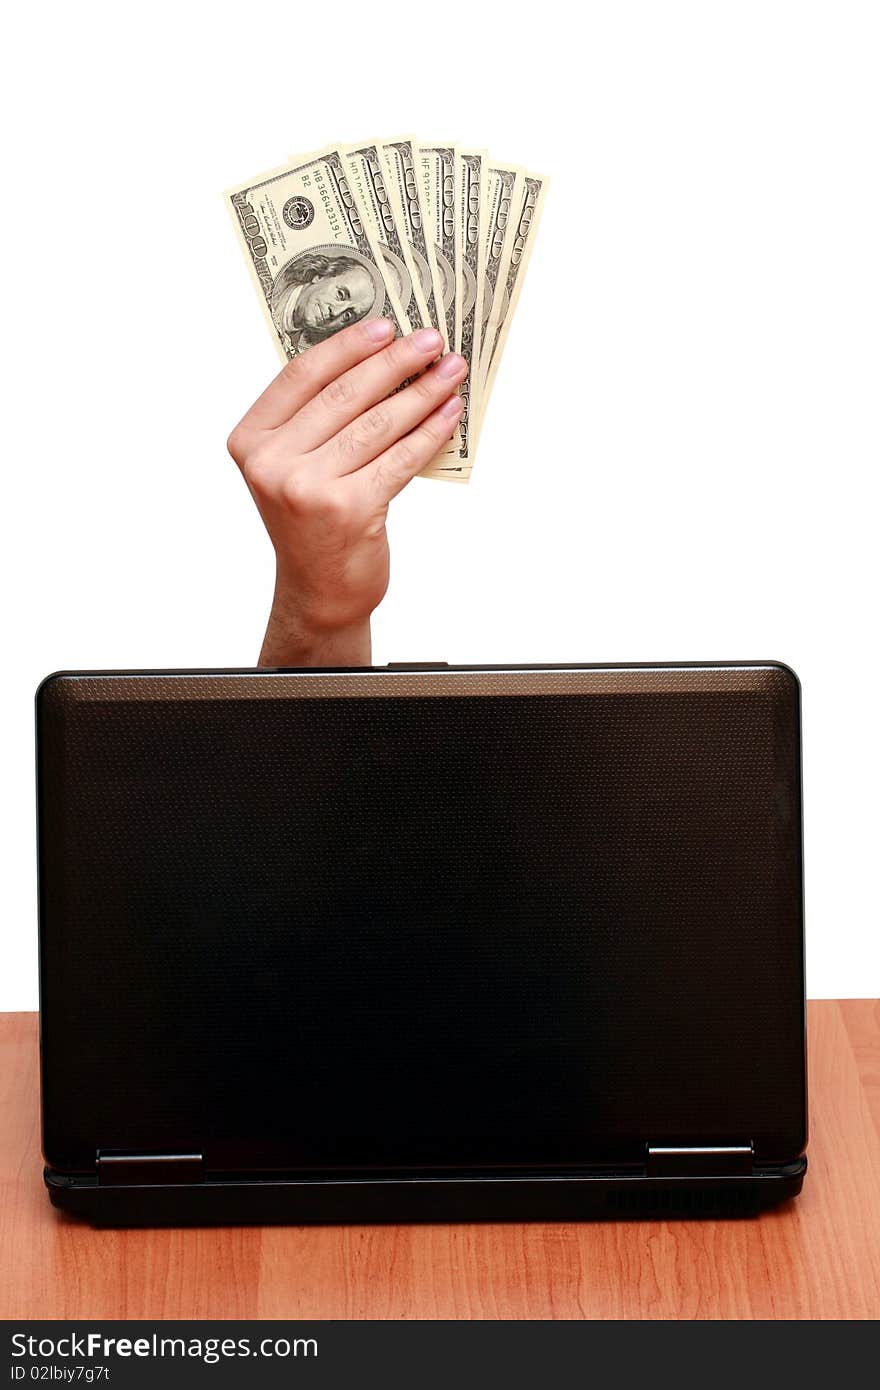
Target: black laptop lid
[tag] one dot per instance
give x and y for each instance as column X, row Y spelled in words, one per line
column 401, row 919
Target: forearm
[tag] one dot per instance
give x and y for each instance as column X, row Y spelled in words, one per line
column 289, row 642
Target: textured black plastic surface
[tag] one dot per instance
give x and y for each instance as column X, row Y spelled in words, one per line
column 418, row 921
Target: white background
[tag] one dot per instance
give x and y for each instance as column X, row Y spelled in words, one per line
column 681, row 453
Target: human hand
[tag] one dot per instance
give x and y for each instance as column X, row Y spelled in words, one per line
column 323, row 451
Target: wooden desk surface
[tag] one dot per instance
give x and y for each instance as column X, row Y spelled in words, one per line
column 817, row 1257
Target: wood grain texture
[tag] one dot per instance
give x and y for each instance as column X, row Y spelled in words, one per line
column 817, row 1257
column 862, row 1020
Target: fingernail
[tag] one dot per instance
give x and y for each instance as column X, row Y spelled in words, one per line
column 452, row 407
column 427, row 340
column 450, row 365
column 377, row 329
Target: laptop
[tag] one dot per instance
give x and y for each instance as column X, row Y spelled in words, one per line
column 421, row 942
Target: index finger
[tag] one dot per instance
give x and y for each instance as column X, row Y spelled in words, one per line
column 304, row 376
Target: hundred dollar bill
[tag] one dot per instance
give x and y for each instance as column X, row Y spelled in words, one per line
column 367, row 176
column 503, row 194
column 435, row 169
column 515, row 260
column 316, row 264
column 402, row 186
column 470, row 168
column 435, row 166
column 408, row 205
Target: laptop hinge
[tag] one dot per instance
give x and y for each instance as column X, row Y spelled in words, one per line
column 700, row 1160
column 120, row 1168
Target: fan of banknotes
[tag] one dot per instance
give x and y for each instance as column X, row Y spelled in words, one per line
column 426, row 235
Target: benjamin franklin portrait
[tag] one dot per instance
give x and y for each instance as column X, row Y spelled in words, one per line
column 321, row 291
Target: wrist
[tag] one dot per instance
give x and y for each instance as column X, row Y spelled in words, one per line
column 293, row 640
